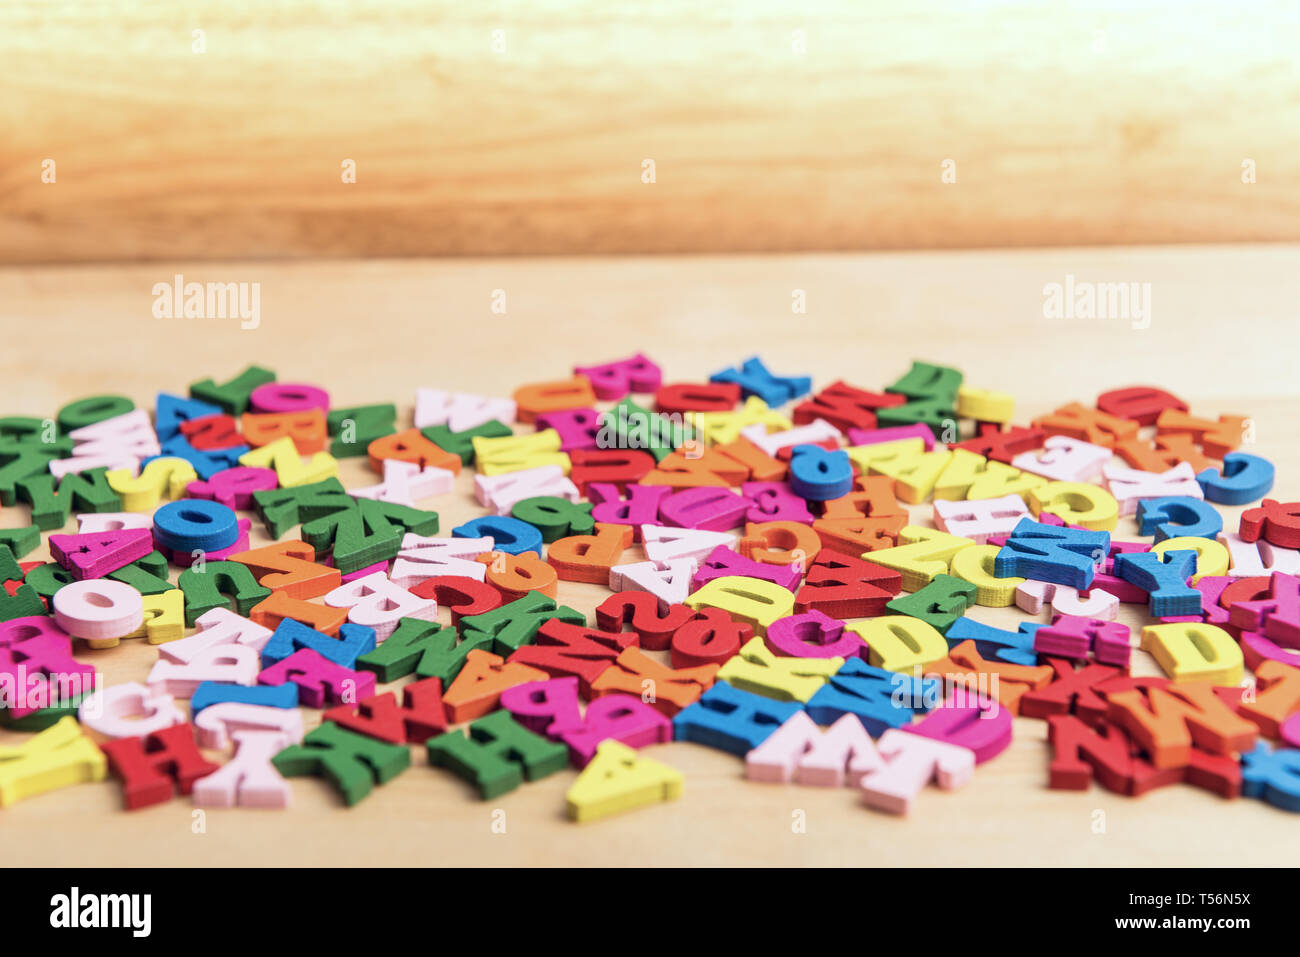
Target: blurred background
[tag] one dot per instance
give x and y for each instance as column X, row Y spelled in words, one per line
column 141, row 130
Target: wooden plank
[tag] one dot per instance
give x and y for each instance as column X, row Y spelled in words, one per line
column 772, row 126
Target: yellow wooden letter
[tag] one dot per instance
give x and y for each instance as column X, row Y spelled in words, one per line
column 884, row 454
column 975, row 565
column 1211, row 556
column 282, row 455
column 913, row 470
column 969, row 476
column 164, row 620
column 759, row 670
column 719, row 428
column 999, row 479
column 985, row 405
column 756, row 602
column 617, row 779
column 901, row 642
column 921, row 553
column 57, row 757
column 512, row 453
column 1077, row 503
column 1194, row 651
column 161, row 477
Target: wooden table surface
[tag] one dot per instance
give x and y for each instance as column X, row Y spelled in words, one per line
column 1223, row 335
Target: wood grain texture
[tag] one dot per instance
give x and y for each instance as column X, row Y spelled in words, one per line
column 1105, row 123
column 1223, row 335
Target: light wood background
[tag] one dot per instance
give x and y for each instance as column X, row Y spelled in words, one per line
column 1223, row 336
column 1119, row 121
